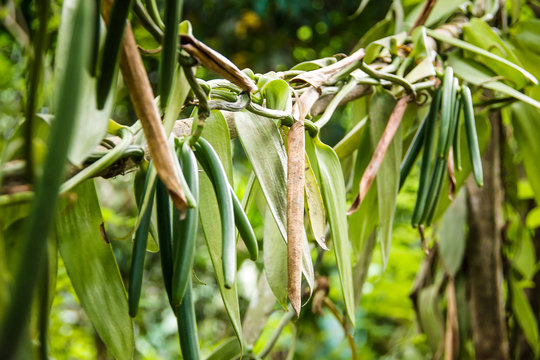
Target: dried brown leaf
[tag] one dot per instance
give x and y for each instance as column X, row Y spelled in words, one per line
column 295, row 212
column 318, row 77
column 380, row 152
column 216, row 62
column 142, row 97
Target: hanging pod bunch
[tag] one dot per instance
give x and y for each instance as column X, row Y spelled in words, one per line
column 447, row 102
column 230, row 210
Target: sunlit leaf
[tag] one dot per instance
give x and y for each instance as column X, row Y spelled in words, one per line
column 278, row 95
column 480, row 34
column 315, row 207
column 275, row 259
column 526, row 123
column 473, row 73
column 525, row 317
column 326, row 164
column 381, row 107
column 92, row 269
column 481, row 52
column 90, row 123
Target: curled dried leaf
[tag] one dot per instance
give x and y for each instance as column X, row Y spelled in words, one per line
column 216, row 62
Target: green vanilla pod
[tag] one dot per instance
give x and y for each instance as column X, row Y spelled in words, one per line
column 472, row 137
column 206, row 154
column 446, row 109
column 139, row 252
column 164, row 227
column 244, row 227
column 185, row 230
column 425, row 167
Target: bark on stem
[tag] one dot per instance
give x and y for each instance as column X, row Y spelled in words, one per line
column 483, row 255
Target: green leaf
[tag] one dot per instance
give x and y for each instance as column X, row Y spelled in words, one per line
column 264, row 148
column 527, row 33
column 480, row 34
column 363, row 222
column 486, row 55
column 473, row 73
column 326, row 164
column 260, row 308
column 314, row 64
column 430, row 316
column 525, row 317
column 93, row 270
column 275, row 259
column 315, row 207
column 373, row 50
column 216, row 132
column 452, row 234
column 278, row 95
column 228, row 349
column 526, row 123
column 380, row 109
column 90, row 123
column 176, row 102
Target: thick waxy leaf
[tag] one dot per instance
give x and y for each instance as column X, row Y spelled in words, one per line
column 93, row 271
column 90, row 123
column 430, row 316
column 264, row 148
column 473, row 73
column 452, row 234
column 381, row 107
column 326, row 164
column 228, row 349
column 275, row 259
column 526, row 124
column 479, row 33
column 278, row 95
column 217, row 134
column 528, row 34
column 315, row 207
column 525, row 317
column 363, row 222
column 486, row 55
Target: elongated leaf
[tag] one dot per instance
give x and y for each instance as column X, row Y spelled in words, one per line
column 363, row 222
column 93, row 271
column 452, row 234
column 275, row 260
column 47, row 185
column 217, row 133
column 326, row 164
column 265, row 150
column 526, row 124
column 228, row 349
column 90, row 123
column 481, row 52
column 475, row 74
column 430, row 316
column 380, row 109
column 479, row 33
column 315, row 207
column 525, row 317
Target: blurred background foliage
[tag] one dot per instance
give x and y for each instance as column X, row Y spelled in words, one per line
column 263, row 35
